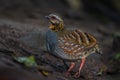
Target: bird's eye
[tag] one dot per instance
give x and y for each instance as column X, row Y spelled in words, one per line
column 53, row 17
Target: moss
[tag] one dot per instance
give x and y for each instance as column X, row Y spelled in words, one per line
column 117, row 56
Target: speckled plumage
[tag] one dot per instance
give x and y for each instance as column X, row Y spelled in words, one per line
column 69, row 44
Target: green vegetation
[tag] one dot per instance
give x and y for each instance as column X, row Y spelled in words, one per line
column 27, row 61
column 117, row 56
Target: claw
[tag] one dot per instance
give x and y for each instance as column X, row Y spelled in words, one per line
column 67, row 74
column 77, row 74
column 72, row 65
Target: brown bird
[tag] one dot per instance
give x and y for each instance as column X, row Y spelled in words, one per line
column 69, row 44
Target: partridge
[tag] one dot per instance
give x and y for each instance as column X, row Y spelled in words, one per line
column 69, row 44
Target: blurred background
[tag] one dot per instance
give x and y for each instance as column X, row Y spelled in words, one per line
column 22, row 32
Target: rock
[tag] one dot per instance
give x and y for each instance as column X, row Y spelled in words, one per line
column 35, row 39
column 7, row 73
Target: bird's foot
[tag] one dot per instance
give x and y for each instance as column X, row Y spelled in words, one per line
column 67, row 73
column 77, row 74
column 72, row 64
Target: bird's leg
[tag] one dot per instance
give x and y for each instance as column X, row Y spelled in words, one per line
column 72, row 65
column 77, row 74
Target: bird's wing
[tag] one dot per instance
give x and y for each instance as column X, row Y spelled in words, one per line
column 75, row 43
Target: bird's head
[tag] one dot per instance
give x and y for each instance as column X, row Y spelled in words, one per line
column 56, row 22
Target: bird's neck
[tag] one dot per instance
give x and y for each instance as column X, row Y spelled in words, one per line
column 57, row 27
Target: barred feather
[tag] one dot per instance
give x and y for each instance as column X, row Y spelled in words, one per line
column 76, row 43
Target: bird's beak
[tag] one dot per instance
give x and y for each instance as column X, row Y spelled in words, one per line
column 47, row 17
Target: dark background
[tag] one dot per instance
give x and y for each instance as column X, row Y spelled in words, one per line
column 22, row 32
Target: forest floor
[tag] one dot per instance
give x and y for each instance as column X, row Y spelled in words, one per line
column 22, row 34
